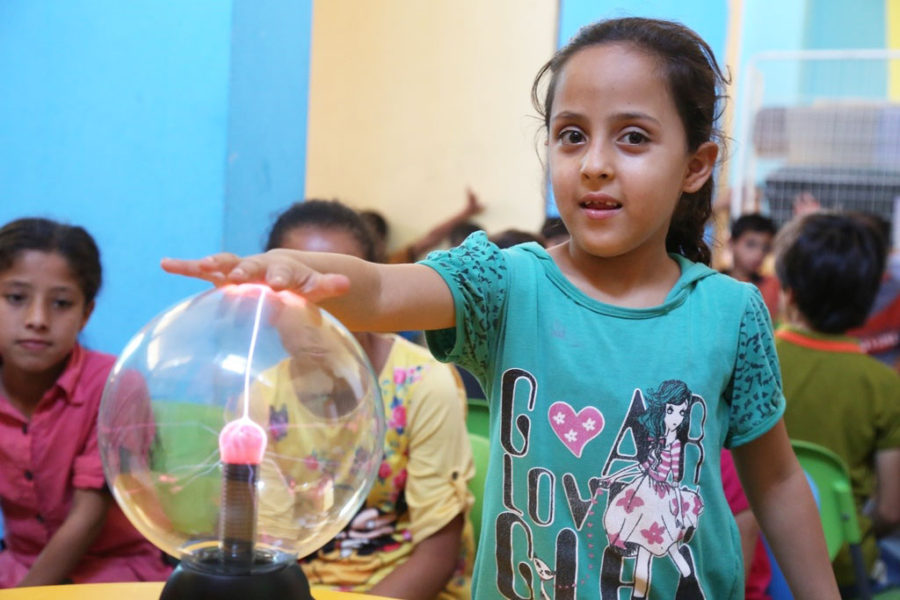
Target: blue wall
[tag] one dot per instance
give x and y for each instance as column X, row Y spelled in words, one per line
column 143, row 121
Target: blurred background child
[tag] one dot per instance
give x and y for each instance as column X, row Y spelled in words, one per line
column 751, row 244
column 411, row 538
column 61, row 522
column 830, row 266
column 435, row 236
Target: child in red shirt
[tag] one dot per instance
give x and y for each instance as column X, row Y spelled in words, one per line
column 61, row 524
column 758, row 572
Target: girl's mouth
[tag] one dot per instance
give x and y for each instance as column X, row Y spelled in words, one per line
column 33, row 345
column 600, row 204
column 597, row 209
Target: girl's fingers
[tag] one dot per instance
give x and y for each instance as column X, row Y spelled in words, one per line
column 277, row 271
column 312, row 285
column 213, row 268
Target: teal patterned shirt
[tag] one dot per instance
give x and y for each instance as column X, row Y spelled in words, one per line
column 606, row 425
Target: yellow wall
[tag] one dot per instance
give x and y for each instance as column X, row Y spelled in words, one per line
column 411, row 101
column 892, row 20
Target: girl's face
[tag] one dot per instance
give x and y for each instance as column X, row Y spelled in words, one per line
column 618, row 152
column 42, row 311
column 674, row 416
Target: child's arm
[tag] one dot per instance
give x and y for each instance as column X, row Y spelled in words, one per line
column 362, row 295
column 429, row 566
column 886, row 517
column 749, row 530
column 781, row 499
column 71, row 540
column 436, row 235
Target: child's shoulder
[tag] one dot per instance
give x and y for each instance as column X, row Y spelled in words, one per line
column 879, row 373
column 96, row 361
column 88, row 368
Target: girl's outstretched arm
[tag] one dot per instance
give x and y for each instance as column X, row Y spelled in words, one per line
column 364, row 296
column 781, row 499
column 73, row 538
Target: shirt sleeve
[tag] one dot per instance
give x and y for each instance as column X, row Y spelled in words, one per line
column 87, row 468
column 477, row 275
column 440, row 458
column 755, row 392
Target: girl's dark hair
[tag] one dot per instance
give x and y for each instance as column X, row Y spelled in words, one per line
column 73, row 243
column 833, row 264
column 325, row 214
column 695, row 82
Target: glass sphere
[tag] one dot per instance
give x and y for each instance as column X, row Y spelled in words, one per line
column 241, row 422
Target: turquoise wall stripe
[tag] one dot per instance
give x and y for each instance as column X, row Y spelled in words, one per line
column 836, row 24
column 267, row 117
column 707, row 18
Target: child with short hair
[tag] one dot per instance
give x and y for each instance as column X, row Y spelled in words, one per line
column 411, row 537
column 751, row 243
column 61, row 524
column 830, row 266
column 617, row 364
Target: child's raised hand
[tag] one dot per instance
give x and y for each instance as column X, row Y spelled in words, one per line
column 279, row 269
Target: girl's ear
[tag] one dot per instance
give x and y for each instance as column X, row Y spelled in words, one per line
column 700, row 167
column 87, row 314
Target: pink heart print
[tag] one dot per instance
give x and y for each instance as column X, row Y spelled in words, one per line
column 573, row 429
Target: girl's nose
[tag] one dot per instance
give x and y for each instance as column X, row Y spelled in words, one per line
column 595, row 163
column 36, row 315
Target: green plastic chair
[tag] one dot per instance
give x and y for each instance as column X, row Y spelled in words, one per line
column 480, row 452
column 836, row 507
column 477, row 417
column 187, row 435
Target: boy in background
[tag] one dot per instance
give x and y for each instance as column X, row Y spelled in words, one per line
column 880, row 334
column 751, row 243
column 830, row 266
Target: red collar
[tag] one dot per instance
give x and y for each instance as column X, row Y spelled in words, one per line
column 826, row 345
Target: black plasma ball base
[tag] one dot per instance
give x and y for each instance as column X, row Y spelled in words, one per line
column 191, row 581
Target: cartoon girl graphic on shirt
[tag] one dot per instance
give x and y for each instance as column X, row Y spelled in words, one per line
column 649, row 512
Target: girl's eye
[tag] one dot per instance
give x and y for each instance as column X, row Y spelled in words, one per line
column 62, row 304
column 14, row 299
column 571, row 136
column 634, row 138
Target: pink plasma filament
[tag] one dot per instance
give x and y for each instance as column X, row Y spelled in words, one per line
column 242, row 442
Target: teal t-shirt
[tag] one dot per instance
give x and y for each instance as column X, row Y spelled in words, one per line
column 606, row 425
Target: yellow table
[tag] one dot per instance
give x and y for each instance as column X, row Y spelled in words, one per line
column 129, row 591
